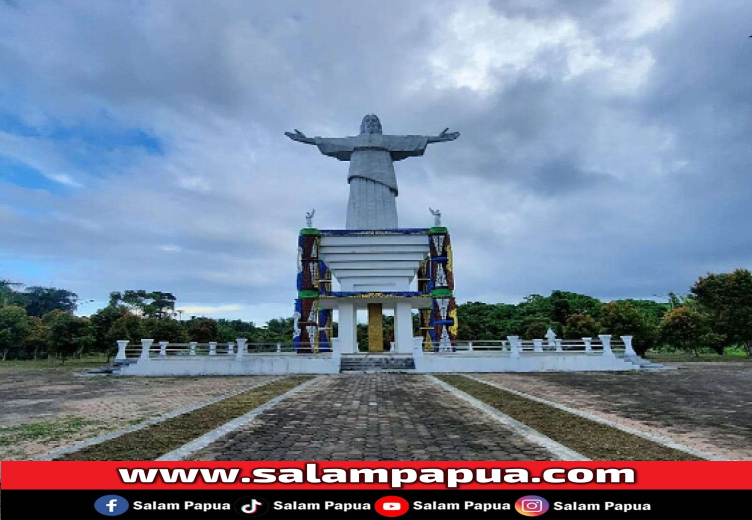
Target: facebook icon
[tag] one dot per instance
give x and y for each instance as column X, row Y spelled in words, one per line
column 111, row 505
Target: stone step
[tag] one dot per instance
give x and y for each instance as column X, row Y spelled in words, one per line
column 378, row 363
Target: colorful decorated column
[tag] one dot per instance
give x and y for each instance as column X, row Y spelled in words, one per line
column 312, row 324
column 440, row 322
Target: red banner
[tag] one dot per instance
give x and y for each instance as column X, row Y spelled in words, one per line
column 375, row 475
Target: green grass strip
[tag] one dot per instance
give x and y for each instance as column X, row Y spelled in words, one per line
column 594, row 440
column 164, row 437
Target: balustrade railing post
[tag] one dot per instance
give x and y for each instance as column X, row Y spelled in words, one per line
column 121, row 343
column 230, row 349
column 588, row 344
column 145, row 346
column 163, row 348
column 537, row 345
column 192, row 348
column 558, row 343
column 514, row 344
column 279, row 347
column 212, row 348
column 470, row 346
column 606, row 340
column 628, row 349
column 241, row 347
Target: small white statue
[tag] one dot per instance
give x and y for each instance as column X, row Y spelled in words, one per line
column 436, row 217
column 309, row 218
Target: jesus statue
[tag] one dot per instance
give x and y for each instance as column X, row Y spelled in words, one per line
column 373, row 184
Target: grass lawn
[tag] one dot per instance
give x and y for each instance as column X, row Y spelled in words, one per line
column 685, row 357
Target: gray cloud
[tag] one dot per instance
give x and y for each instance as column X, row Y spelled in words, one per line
column 603, row 150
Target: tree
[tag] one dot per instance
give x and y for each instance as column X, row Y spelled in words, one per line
column 154, row 304
column 727, row 299
column 536, row 330
column 37, row 338
column 277, row 330
column 580, row 326
column 41, row 300
column 202, row 330
column 128, row 328
column 9, row 296
column 625, row 319
column 230, row 330
column 651, row 310
column 68, row 334
column 13, row 330
column 102, row 321
column 684, row 328
column 165, row 330
column 567, row 303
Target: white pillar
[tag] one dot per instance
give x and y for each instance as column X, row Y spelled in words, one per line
column 122, row 343
column 403, row 328
column 192, row 347
column 606, row 340
column 212, row 348
column 241, row 347
column 163, row 348
column 230, row 350
column 145, row 346
column 469, row 346
column 348, row 322
column 628, row 349
column 558, row 345
column 514, row 345
column 537, row 345
column 279, row 347
column 588, row 344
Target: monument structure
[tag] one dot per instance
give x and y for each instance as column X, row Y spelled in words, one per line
column 373, row 259
column 375, row 263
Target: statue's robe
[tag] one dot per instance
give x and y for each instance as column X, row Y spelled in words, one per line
column 373, row 183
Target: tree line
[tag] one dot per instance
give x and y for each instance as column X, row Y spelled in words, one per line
column 39, row 322
column 715, row 314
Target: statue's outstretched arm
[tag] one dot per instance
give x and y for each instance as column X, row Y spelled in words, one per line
column 300, row 137
column 445, row 135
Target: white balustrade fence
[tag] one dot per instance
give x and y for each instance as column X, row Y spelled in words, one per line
column 515, row 346
column 149, row 349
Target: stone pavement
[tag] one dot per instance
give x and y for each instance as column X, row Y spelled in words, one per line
column 707, row 406
column 68, row 408
column 373, row 417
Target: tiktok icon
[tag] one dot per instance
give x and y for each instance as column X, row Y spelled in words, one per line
column 251, row 506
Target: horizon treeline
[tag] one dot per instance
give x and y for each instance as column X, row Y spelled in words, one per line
column 714, row 315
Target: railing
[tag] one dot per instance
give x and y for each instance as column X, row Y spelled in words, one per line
column 515, row 346
column 149, row 349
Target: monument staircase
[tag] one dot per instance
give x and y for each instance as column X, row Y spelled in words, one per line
column 644, row 364
column 374, row 362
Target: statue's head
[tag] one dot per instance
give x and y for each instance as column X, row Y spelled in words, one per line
column 370, row 125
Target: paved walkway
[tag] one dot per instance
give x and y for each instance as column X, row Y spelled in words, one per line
column 707, row 406
column 42, row 411
column 374, row 417
column 704, row 405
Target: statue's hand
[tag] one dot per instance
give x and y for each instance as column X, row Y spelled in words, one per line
column 299, row 136
column 445, row 135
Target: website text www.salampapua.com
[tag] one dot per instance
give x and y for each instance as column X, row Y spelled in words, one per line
column 394, row 477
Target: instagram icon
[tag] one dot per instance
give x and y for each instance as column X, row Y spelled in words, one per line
column 531, row 505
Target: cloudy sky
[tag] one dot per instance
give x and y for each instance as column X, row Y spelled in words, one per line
column 606, row 147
